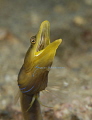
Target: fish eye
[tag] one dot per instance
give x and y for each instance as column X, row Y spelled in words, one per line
column 33, row 39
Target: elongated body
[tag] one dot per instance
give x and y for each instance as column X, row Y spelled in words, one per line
column 31, row 80
column 34, row 113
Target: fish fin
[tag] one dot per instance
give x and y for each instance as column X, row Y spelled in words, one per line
column 43, row 104
column 33, row 99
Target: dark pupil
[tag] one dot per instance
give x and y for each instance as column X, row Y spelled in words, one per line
column 33, row 39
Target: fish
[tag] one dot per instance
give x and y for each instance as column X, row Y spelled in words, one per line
column 31, row 80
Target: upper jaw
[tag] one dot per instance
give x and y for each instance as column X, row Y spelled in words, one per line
column 42, row 37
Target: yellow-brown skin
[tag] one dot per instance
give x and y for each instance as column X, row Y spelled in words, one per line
column 31, row 79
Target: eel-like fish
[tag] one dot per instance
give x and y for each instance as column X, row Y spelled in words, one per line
column 33, row 75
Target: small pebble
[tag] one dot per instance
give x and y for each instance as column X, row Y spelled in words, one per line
column 78, row 20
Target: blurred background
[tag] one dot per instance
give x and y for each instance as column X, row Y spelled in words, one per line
column 71, row 85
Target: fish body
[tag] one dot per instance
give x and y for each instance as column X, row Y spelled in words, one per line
column 33, row 75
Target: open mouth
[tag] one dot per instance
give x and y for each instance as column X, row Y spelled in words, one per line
column 41, row 42
column 41, row 48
